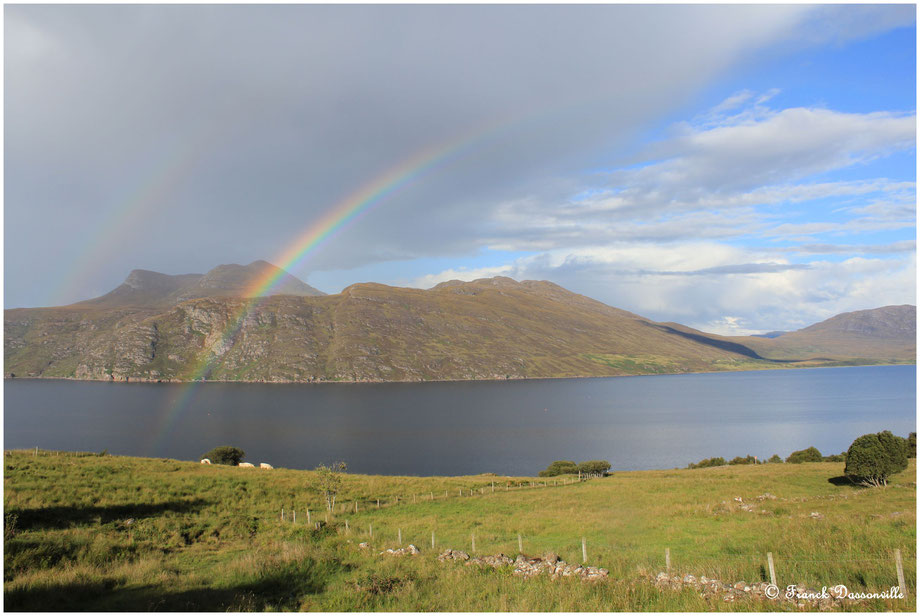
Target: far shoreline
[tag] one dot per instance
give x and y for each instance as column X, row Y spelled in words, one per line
column 781, row 365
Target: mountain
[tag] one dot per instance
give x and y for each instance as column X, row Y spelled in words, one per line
column 486, row 329
column 887, row 333
column 146, row 289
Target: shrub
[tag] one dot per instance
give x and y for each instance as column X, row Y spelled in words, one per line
column 594, row 467
column 746, row 460
column 805, row 455
column 708, row 462
column 225, row 454
column 872, row 458
column 912, row 445
column 775, row 459
column 560, row 467
column 837, row 457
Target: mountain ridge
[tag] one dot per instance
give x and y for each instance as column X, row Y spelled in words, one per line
column 489, row 328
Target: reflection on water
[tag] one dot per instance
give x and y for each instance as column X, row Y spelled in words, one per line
column 505, row 427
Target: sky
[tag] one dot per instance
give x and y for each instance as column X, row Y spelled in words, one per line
column 735, row 168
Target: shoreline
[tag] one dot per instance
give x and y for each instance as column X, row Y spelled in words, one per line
column 780, row 365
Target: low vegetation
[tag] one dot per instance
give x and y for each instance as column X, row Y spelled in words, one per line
column 84, row 532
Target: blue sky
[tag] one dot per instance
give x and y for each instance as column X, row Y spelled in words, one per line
column 734, row 168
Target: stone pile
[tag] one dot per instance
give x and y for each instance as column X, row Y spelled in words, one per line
column 709, row 587
column 411, row 550
column 525, row 567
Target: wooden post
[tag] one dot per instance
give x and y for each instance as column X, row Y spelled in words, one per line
column 432, row 496
column 295, row 516
column 399, row 536
column 902, row 585
column 772, row 570
column 473, row 539
column 327, row 516
column 308, row 515
column 356, row 506
column 445, row 493
column 667, row 559
column 370, row 530
column 520, row 544
column 584, row 550
column 432, row 540
column 461, row 491
column 493, row 487
column 413, row 499
column 282, row 514
column 346, row 526
column 378, row 503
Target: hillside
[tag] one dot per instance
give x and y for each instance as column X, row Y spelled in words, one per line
column 87, row 532
column 157, row 327
column 887, row 333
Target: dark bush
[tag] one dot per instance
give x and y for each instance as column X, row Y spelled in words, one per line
column 912, row 445
column 775, row 459
column 872, row 458
column 708, row 462
column 837, row 457
column 805, row 455
column 560, row 467
column 746, row 460
column 225, row 454
column 594, row 467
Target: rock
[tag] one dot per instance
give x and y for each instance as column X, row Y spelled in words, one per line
column 815, row 515
column 363, row 545
column 551, row 557
column 453, row 555
column 740, row 585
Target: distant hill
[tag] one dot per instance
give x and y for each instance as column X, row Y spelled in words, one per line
column 887, row 333
column 157, row 327
column 146, row 289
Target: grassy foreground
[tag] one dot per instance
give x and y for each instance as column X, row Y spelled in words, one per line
column 87, row 532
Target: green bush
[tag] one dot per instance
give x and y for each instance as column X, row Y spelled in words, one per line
column 805, row 455
column 560, row 467
column 708, row 462
column 225, row 454
column 745, row 460
column 837, row 457
column 872, row 458
column 775, row 459
column 594, row 467
column 912, row 445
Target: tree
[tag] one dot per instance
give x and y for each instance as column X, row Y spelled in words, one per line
column 329, row 479
column 837, row 457
column 805, row 455
column 775, row 459
column 912, row 445
column 560, row 467
column 872, row 458
column 225, row 454
column 707, row 462
column 746, row 460
column 594, row 467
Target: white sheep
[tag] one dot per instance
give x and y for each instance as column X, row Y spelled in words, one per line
column 205, row 461
column 247, row 465
column 266, row 465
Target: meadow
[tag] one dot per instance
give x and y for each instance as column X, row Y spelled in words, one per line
column 100, row 532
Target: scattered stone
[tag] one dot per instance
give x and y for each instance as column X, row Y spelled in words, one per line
column 526, row 567
column 363, row 545
column 815, row 515
column 766, row 496
column 411, row 550
column 453, row 555
column 709, row 587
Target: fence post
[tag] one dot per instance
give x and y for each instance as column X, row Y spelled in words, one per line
column 493, row 487
column 520, row 544
column 473, row 539
column 584, row 550
column 772, row 570
column 413, row 499
column 370, row 530
column 282, row 514
column 432, row 540
column 346, row 526
column 378, row 503
column 295, row 516
column 399, row 536
column 461, row 491
column 432, row 496
column 308, row 515
column 902, row 585
column 667, row 559
column 356, row 506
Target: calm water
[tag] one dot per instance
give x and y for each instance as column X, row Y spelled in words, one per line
column 510, row 427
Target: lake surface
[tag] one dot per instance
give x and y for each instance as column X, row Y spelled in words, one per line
column 505, row 427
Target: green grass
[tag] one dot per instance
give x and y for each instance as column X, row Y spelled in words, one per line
column 211, row 538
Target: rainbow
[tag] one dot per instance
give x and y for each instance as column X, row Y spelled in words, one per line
column 337, row 218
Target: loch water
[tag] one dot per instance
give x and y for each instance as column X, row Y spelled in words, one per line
column 458, row 428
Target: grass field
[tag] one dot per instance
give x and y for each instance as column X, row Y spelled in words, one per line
column 88, row 532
